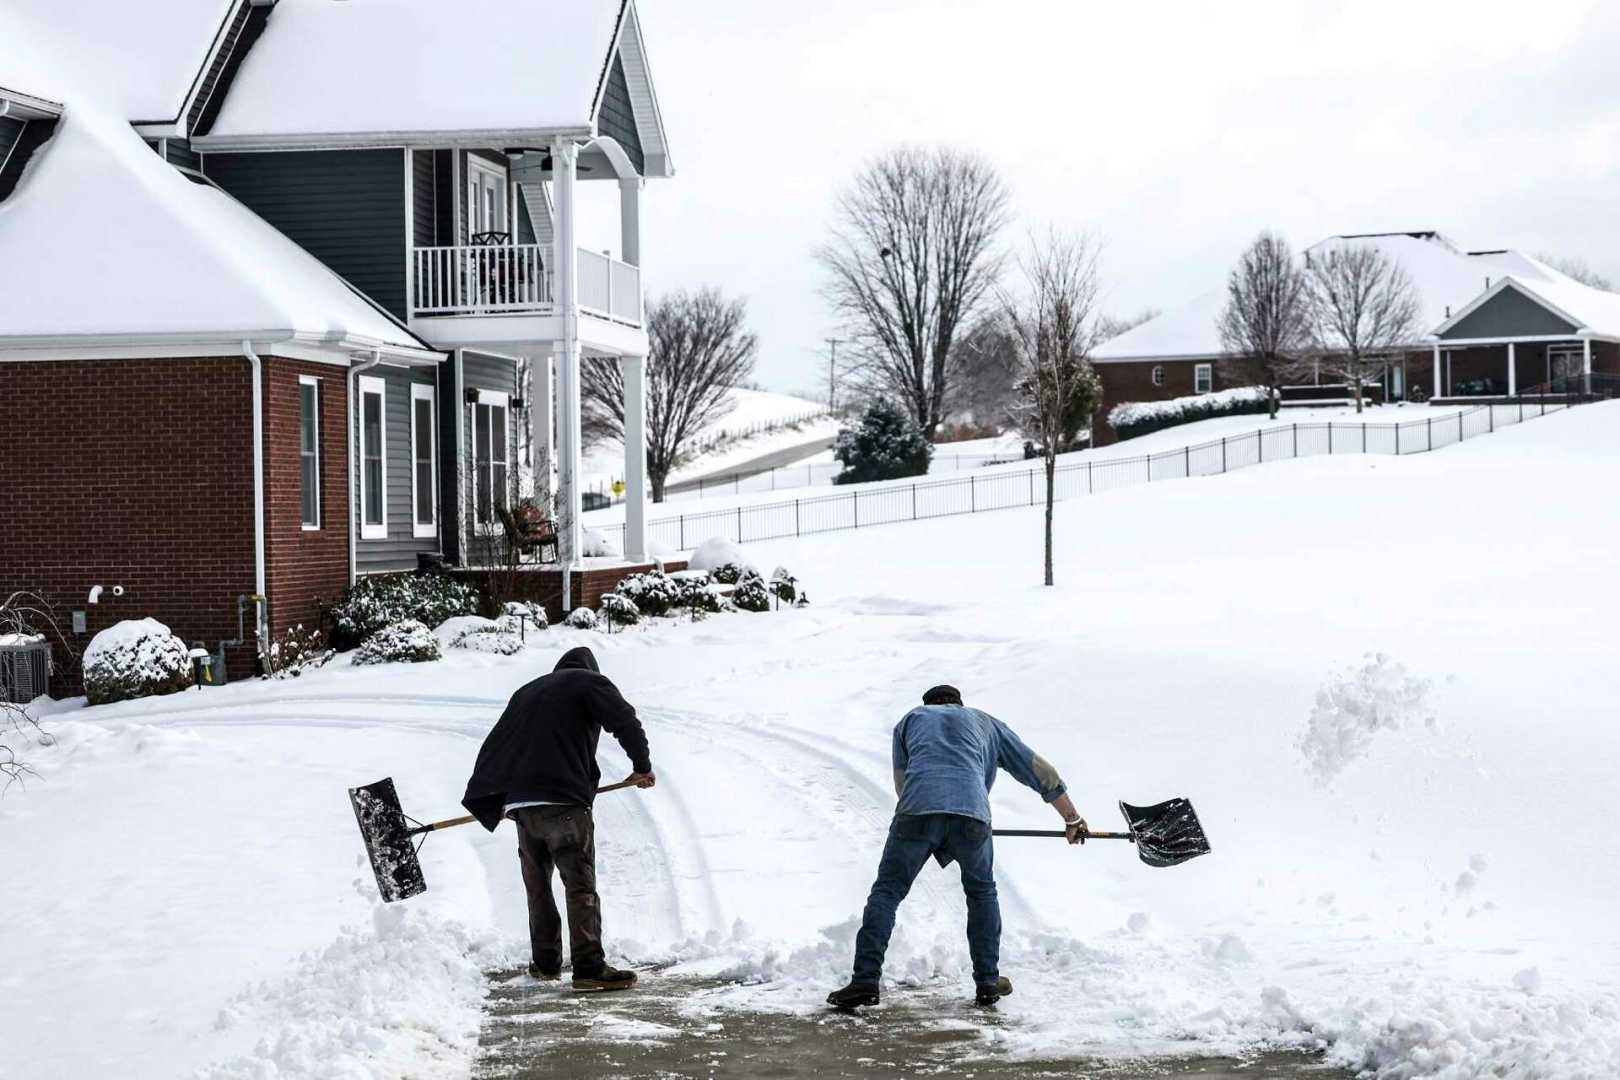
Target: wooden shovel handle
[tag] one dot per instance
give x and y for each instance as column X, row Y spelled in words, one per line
column 1060, row 832
column 469, row 819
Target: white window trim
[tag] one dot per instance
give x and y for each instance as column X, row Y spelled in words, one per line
column 1207, row 371
column 303, row 381
column 504, row 400
column 1156, row 375
column 425, row 392
column 476, row 165
column 370, row 384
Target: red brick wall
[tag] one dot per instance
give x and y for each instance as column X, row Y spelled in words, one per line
column 1133, row 381
column 304, row 569
column 133, row 473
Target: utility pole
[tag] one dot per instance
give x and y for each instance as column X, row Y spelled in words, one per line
column 832, row 372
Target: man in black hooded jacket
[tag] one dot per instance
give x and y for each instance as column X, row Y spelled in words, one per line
column 538, row 767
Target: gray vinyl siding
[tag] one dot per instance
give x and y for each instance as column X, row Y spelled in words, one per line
column 10, row 128
column 480, row 372
column 1509, row 313
column 525, row 227
column 19, row 148
column 424, row 197
column 345, row 207
column 617, row 118
column 181, row 155
column 444, row 196
column 400, row 550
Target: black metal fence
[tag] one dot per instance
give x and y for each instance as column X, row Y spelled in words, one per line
column 858, row 508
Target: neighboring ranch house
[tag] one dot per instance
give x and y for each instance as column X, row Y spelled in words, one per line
column 292, row 294
column 1495, row 325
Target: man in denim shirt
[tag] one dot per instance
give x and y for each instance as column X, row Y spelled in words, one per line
column 945, row 759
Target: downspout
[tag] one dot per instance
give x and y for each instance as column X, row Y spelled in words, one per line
column 261, row 627
column 349, row 456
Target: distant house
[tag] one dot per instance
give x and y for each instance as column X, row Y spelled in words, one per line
column 286, row 283
column 1495, row 323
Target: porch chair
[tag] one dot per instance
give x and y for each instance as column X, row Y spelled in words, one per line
column 532, row 536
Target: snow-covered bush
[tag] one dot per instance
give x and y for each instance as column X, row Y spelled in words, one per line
column 479, row 635
column 514, row 612
column 888, row 444
column 722, row 558
column 653, row 592
column 596, row 545
column 751, row 593
column 1133, row 418
column 404, row 642
column 374, row 602
column 696, row 592
column 297, row 651
column 581, row 618
column 619, row 610
column 135, row 658
column 786, row 586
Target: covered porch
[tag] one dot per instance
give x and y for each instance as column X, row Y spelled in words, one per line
column 1521, row 338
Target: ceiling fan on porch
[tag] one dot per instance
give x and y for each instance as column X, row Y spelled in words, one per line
column 545, row 161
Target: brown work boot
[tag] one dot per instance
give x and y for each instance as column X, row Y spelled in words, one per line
column 987, row 994
column 604, row 978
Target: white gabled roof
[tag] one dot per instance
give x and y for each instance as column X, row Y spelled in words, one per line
column 1591, row 311
column 345, row 73
column 1446, row 280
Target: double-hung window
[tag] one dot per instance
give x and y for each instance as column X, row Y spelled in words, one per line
column 309, row 452
column 424, row 475
column 491, row 453
column 373, row 459
column 1203, row 378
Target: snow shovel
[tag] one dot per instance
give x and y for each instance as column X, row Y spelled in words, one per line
column 1164, row 835
column 390, row 836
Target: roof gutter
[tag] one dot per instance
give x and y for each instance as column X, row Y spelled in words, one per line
column 455, row 138
column 352, row 392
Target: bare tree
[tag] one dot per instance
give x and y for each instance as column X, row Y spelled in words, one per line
column 911, row 258
column 1265, row 326
column 699, row 350
column 1363, row 308
column 1052, row 331
column 1110, row 327
column 983, row 373
column 1579, row 269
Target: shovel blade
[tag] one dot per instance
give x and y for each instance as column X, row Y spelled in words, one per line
column 1167, row 833
column 385, row 833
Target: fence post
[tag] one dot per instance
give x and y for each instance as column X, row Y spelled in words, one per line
column 1089, row 489
column 913, row 502
column 739, row 525
column 1459, row 427
column 1296, row 438
column 857, row 495
column 1223, row 454
column 683, row 532
column 1364, row 436
column 973, row 494
column 1032, row 487
column 1397, row 439
column 1490, row 414
column 796, row 517
column 1330, row 438
column 1431, row 433
column 1186, row 462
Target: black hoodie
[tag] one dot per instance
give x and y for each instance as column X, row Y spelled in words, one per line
column 543, row 748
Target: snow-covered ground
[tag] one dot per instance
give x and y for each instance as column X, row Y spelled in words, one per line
column 1387, row 684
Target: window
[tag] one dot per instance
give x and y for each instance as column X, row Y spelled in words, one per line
column 1203, row 378
column 486, row 197
column 424, row 487
column 1158, row 376
column 490, row 453
column 373, row 460
column 309, row 451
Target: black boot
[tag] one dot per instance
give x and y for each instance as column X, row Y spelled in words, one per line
column 854, row 996
column 540, row 971
column 987, row 994
column 604, row 978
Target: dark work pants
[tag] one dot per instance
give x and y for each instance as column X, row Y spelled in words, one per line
column 563, row 837
column 913, row 839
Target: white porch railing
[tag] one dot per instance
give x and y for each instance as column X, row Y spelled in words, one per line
column 504, row 278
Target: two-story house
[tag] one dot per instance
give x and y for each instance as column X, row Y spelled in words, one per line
column 284, row 283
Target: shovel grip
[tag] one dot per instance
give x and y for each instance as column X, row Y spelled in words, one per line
column 451, row 823
column 1060, row 832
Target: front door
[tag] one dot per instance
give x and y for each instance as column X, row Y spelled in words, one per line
column 486, row 199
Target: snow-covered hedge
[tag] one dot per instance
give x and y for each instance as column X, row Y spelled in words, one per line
column 696, row 592
column 619, row 610
column 299, row 650
column 405, row 642
column 786, row 586
column 513, row 612
column 135, row 658
column 722, row 558
column 886, row 445
column 653, row 592
column 1133, row 418
column 382, row 600
column 751, row 593
column 479, row 635
column 581, row 618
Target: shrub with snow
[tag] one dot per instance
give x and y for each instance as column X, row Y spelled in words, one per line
column 653, row 592
column 374, row 602
column 597, row 546
column 619, row 610
column 887, row 445
column 1133, row 418
column 581, row 618
column 404, row 642
column 479, row 635
column 696, row 592
column 722, row 558
column 135, row 658
column 751, row 593
column 297, row 651
column 515, row 612
column 786, row 586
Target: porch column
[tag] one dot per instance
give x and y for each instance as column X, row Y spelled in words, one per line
column 1436, row 390
column 1586, row 367
column 1513, row 369
column 565, row 262
column 540, row 424
column 630, row 219
column 635, row 457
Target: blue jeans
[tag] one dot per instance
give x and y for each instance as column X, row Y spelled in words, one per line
column 913, row 838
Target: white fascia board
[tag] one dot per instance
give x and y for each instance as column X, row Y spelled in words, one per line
column 1534, row 339
column 27, row 106
column 638, row 73
column 292, row 346
column 473, row 139
column 1172, row 358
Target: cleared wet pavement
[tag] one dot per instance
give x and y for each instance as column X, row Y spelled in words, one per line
column 664, row 1030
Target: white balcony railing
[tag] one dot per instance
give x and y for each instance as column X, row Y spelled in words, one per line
column 516, row 278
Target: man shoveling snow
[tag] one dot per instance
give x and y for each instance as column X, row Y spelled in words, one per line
column 945, row 760
column 538, row 767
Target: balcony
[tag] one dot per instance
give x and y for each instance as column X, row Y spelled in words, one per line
column 515, row 279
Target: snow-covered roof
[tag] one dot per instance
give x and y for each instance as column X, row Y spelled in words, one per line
column 1446, row 279
column 348, row 73
column 145, row 55
column 1594, row 312
column 104, row 243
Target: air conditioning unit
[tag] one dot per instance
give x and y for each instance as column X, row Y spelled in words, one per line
column 25, row 668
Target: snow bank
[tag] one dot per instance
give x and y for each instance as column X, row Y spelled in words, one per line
column 716, row 552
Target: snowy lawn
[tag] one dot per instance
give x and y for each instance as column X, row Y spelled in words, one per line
column 1413, row 859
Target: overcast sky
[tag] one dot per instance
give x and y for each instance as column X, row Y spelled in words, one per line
column 1173, row 131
